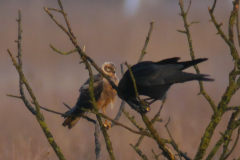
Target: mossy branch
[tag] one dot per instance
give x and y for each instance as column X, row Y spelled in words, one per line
column 139, row 152
column 85, row 59
column 39, row 116
column 132, row 119
column 25, row 101
column 232, row 125
column 118, row 123
column 23, row 80
column 166, row 151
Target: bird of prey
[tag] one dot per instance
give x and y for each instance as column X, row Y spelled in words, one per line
column 153, row 79
column 103, row 93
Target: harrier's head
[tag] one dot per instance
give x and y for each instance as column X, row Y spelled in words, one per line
column 109, row 68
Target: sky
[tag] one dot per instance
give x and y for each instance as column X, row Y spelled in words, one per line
column 112, row 31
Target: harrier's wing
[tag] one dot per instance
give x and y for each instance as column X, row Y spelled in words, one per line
column 84, row 99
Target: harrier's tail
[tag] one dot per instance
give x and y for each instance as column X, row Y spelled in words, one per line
column 71, row 120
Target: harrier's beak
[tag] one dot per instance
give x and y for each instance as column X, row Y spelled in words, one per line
column 113, row 70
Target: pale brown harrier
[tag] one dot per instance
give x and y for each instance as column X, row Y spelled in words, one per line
column 103, row 92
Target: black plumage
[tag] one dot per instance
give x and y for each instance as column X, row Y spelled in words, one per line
column 153, row 79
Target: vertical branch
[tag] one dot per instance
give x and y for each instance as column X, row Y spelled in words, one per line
column 146, row 42
column 93, row 101
column 97, row 142
column 186, row 25
column 23, row 80
column 166, row 151
column 139, row 152
column 25, row 101
column 237, row 27
column 39, row 116
column 85, row 59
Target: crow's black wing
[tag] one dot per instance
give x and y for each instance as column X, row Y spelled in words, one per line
column 167, row 71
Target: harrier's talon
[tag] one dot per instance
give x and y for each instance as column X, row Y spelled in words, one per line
column 107, row 125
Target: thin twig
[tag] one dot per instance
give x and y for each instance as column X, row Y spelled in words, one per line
column 146, row 41
column 173, row 142
column 159, row 111
column 234, row 145
column 213, row 6
column 119, row 114
column 55, row 112
column 132, row 119
column 155, row 156
column 63, row 53
column 118, row 123
column 233, row 108
column 25, row 101
column 166, row 151
column 152, row 121
column 189, row 5
column 67, row 105
column 144, row 157
column 202, row 91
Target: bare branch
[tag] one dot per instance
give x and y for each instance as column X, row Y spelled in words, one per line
column 118, row 123
column 155, row 156
column 146, row 42
column 166, row 151
column 233, row 108
column 132, row 119
column 25, row 101
column 144, row 157
column 189, row 5
column 63, row 53
column 213, row 6
column 39, row 115
column 119, row 114
column 97, row 142
column 173, row 142
column 202, row 91
column 234, row 145
column 67, row 106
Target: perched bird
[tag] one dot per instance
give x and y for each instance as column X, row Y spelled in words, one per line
column 103, row 93
column 153, row 79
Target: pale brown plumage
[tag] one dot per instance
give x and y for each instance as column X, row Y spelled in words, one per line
column 103, row 93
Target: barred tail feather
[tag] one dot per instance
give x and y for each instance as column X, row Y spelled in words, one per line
column 70, row 121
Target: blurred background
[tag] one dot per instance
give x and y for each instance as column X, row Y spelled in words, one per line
column 111, row 31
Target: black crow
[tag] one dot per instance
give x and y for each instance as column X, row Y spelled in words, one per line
column 153, row 79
